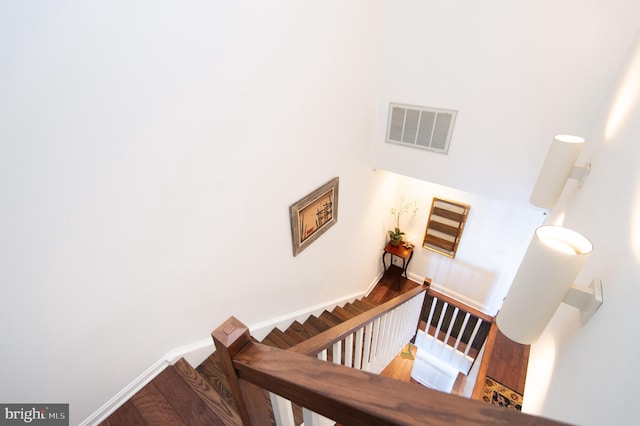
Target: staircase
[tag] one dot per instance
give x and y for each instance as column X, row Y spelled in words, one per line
column 182, row 395
column 177, row 396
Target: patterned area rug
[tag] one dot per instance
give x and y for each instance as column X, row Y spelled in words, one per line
column 498, row 394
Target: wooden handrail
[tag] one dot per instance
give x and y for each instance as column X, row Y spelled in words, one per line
column 326, row 339
column 484, row 364
column 354, row 397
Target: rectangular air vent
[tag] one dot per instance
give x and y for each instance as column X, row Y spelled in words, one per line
column 420, row 127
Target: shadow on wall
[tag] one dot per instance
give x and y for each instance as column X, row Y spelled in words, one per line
column 464, row 281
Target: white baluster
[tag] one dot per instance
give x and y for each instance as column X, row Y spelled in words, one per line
column 473, row 336
column 358, row 358
column 461, row 332
column 434, row 302
column 442, row 312
column 384, row 327
column 390, row 345
column 337, row 352
column 453, row 320
column 310, row 418
column 368, row 338
column 322, row 356
column 378, row 329
column 348, row 350
column 282, row 411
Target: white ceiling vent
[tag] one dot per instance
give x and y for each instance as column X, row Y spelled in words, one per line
column 420, row 127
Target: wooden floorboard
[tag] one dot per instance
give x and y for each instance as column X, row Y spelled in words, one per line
column 186, row 403
column 329, row 318
column 211, row 371
column 125, row 415
column 342, row 313
column 155, row 408
column 316, row 323
column 508, row 363
column 225, row 412
column 391, row 284
column 400, row 367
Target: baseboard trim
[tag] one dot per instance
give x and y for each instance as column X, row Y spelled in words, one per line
column 125, row 394
column 197, row 352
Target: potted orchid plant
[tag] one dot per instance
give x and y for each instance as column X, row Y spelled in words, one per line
column 396, row 235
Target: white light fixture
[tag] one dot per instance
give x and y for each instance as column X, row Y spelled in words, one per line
column 558, row 167
column 544, row 280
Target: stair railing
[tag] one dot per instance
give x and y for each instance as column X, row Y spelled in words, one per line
column 366, row 342
column 370, row 340
column 454, row 332
column 345, row 395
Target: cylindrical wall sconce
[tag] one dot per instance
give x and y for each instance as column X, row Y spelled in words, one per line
column 556, row 170
column 551, row 263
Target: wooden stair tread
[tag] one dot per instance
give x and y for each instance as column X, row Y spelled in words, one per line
column 365, row 303
column 306, row 331
column 295, row 335
column 211, row 371
column 350, row 307
column 361, row 305
column 279, row 339
column 270, row 342
column 170, row 399
column 316, row 324
column 329, row 319
column 154, row 407
column 228, row 414
column 185, row 401
column 127, row 414
column 342, row 313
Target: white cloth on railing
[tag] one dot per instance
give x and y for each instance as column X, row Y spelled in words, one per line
column 432, row 372
column 444, row 353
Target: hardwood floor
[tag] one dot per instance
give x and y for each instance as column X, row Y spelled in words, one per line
column 509, row 363
column 391, row 284
column 400, row 367
column 504, row 361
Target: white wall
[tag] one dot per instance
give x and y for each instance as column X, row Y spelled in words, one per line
column 517, row 72
column 586, row 374
column 493, row 242
column 149, row 152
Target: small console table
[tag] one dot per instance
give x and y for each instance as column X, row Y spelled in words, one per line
column 404, row 253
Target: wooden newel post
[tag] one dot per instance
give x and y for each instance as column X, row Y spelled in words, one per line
column 427, row 282
column 230, row 338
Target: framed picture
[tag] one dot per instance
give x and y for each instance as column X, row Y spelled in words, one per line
column 446, row 223
column 313, row 215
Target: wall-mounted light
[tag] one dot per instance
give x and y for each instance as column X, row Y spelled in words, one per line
column 558, row 167
column 544, row 280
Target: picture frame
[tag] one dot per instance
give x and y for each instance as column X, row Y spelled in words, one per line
column 446, row 223
column 313, row 215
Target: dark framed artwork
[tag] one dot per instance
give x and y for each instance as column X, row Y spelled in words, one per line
column 313, row 215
